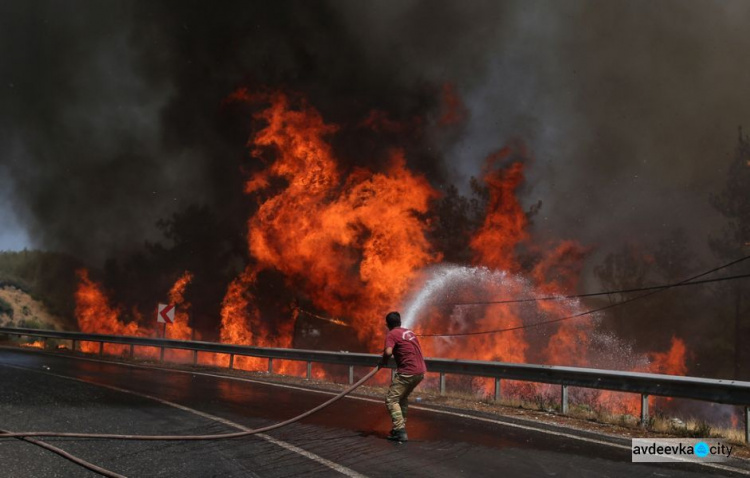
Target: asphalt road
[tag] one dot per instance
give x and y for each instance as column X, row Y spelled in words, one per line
column 44, row 392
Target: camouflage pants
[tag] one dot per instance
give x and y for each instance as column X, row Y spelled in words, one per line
column 397, row 397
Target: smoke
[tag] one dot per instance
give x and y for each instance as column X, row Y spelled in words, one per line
column 652, row 123
column 80, row 127
column 114, row 115
column 12, row 236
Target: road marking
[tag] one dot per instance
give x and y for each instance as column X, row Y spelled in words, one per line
column 288, row 446
column 366, row 399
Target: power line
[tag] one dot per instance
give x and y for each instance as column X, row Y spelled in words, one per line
column 592, row 311
column 595, row 294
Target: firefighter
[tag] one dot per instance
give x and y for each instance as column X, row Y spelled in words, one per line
column 410, row 369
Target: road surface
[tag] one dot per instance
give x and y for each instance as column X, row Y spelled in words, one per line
column 44, row 392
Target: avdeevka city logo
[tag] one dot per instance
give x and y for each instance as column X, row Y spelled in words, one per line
column 701, row 449
column 680, row 449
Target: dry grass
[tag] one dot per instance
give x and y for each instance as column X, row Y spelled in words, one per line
column 658, row 424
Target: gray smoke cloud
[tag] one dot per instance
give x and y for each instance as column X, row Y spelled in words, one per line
column 113, row 118
column 631, row 109
column 80, row 128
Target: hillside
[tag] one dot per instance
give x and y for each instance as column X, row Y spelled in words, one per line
column 38, row 288
column 19, row 309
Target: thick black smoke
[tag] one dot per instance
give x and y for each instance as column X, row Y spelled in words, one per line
column 113, row 117
column 113, row 114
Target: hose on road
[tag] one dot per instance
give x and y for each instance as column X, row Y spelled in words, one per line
column 25, row 436
column 73, row 458
column 219, row 436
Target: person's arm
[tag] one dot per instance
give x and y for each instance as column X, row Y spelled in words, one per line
column 386, row 355
column 390, row 342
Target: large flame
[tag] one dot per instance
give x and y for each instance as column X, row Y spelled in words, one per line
column 504, row 226
column 180, row 329
column 353, row 243
column 495, row 246
column 238, row 314
column 96, row 315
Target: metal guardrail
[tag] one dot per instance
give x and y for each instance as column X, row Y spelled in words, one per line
column 646, row 384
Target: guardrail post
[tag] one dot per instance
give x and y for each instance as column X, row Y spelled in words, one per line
column 564, row 400
column 132, row 351
column 270, row 365
column 644, row 410
column 195, row 357
column 231, row 361
column 497, row 388
column 351, row 374
column 44, row 343
column 309, row 370
column 161, row 354
column 747, row 425
column 73, row 344
column 101, row 349
column 442, row 383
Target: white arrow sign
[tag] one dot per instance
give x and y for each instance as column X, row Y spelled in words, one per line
column 165, row 314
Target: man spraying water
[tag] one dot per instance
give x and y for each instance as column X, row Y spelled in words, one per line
column 410, row 369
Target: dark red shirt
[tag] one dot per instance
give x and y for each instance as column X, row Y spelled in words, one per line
column 406, row 351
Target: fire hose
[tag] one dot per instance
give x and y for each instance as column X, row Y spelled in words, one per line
column 68, row 456
column 219, row 436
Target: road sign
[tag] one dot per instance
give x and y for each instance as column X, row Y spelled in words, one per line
column 165, row 314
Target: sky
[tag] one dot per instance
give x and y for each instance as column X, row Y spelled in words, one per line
column 13, row 236
column 112, row 112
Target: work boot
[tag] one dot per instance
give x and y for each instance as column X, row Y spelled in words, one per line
column 398, row 435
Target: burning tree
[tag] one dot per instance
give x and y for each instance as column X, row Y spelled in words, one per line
column 733, row 202
column 669, row 312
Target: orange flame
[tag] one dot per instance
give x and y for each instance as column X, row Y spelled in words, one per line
column 237, row 313
column 504, row 227
column 180, row 329
column 37, row 344
column 671, row 362
column 354, row 245
column 95, row 315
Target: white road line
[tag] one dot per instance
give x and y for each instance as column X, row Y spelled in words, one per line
column 411, row 407
column 288, row 446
